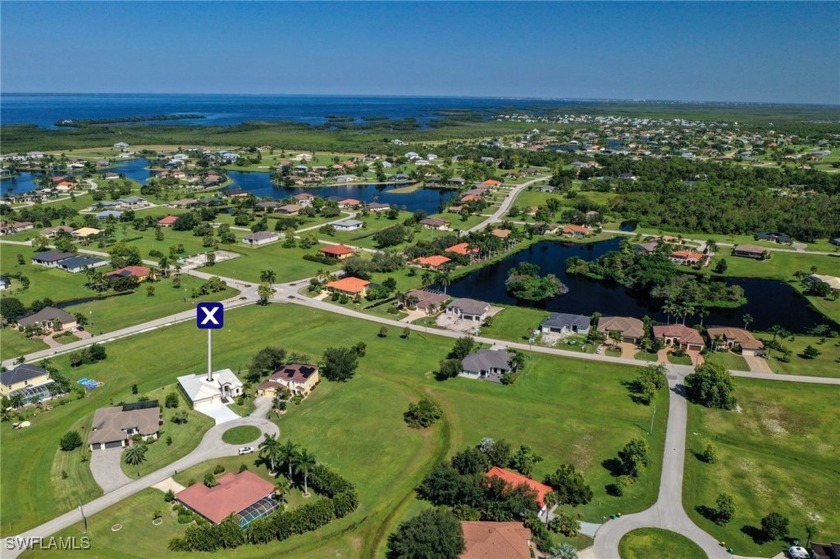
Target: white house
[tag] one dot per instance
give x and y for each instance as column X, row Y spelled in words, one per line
column 200, row 390
column 348, row 225
column 261, row 238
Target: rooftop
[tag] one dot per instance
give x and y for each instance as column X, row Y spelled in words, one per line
column 336, row 250
column 234, row 493
column 516, row 479
column 110, row 424
column 495, row 540
column 21, row 373
column 349, row 285
column 47, row 314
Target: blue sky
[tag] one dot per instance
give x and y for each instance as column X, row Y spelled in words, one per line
column 768, row 52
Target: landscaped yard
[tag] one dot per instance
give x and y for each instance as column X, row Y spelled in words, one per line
column 727, row 359
column 653, row 542
column 576, row 411
column 777, row 454
column 826, row 364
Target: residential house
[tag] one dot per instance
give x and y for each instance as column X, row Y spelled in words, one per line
column 563, row 323
column 349, row 203
column 51, row 258
column 632, row 329
column 22, row 380
column 734, row 339
column 463, row 249
column 183, row 203
column 825, row 550
column 648, row 247
column 339, row 252
column 832, row 281
column 470, row 198
column 495, row 540
column 108, row 214
column 116, row 426
column 52, row 232
column 349, row 286
column 468, row 309
column 779, row 238
column 78, row 264
column 751, row 251
column 233, row 494
column 487, row 364
column 490, row 183
column 435, row 223
column 47, row 318
column 686, row 257
column 679, row 335
column 457, row 181
column 296, row 378
column 577, row 231
column 85, row 232
column 220, row 387
column 167, row 221
column 304, row 199
column 261, row 238
column 501, row 233
column 11, row 227
column 268, row 205
column 425, row 300
column 343, row 179
column 435, row 262
column 348, row 225
column 140, row 273
column 132, row 202
column 121, row 145
column 515, row 479
column 378, row 207
column 289, row 209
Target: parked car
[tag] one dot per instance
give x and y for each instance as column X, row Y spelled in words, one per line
column 246, row 450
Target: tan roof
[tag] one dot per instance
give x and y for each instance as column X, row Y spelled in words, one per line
column 628, row 326
column 495, row 540
column 109, row 424
column 750, row 248
column 681, row 332
column 740, row 336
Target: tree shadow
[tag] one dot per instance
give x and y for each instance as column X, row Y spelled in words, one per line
column 757, row 534
column 635, row 392
column 706, row 512
column 613, row 466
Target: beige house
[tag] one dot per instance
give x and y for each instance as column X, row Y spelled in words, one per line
column 297, row 378
column 114, row 427
column 48, row 318
column 734, row 339
column 21, row 378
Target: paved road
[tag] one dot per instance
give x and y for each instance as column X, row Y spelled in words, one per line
column 501, row 213
column 668, row 512
column 211, row 447
column 702, row 244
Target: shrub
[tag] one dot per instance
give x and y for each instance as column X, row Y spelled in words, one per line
column 70, row 441
column 422, row 414
column 219, row 469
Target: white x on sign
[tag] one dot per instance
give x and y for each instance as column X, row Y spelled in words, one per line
column 210, row 316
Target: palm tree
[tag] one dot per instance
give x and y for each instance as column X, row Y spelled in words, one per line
column 551, row 499
column 269, row 450
column 135, row 455
column 748, row 319
column 427, row 279
column 304, row 461
column 268, row 276
column 445, row 279
column 287, row 453
column 281, row 487
column 16, row 400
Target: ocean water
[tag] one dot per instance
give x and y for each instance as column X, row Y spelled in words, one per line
column 45, row 110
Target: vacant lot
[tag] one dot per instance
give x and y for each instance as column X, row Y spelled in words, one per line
column 777, row 454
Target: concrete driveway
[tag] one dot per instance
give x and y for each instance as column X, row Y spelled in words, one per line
column 219, row 412
column 105, row 467
column 757, row 364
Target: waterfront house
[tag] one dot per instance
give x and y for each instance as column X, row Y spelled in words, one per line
column 563, row 323
column 577, row 231
column 78, row 264
column 468, row 309
column 348, row 225
column 734, row 339
column 632, row 329
column 686, row 257
column 434, row 262
column 435, row 223
column 751, row 251
column 679, row 335
column 425, row 300
column 47, row 318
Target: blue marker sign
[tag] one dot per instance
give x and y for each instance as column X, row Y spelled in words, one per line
column 210, row 316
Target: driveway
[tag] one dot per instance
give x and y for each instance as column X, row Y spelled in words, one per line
column 105, row 467
column 757, row 364
column 219, row 412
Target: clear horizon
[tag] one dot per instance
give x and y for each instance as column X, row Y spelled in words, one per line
column 765, row 53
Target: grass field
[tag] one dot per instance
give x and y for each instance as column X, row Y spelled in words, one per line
column 827, row 364
column 727, row 359
column 288, row 263
column 653, row 542
column 777, row 454
column 576, row 411
column 241, row 435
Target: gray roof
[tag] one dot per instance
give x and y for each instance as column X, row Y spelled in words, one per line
column 348, row 223
column 486, row 359
column 52, row 256
column 108, row 213
column 21, row 373
column 260, row 235
column 563, row 320
column 47, row 314
column 81, row 262
column 110, row 424
column 470, row 306
column 131, row 200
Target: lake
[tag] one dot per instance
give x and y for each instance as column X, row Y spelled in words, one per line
column 768, row 301
column 134, row 169
column 429, row 200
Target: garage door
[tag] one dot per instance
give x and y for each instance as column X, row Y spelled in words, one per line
column 115, row 444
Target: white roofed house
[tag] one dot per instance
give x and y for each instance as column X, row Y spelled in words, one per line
column 200, row 389
column 261, row 238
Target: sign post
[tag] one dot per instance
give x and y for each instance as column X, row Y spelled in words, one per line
column 210, row 316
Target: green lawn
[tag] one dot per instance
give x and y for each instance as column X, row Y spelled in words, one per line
column 679, row 359
column 781, row 265
column 731, row 361
column 185, row 437
column 55, row 284
column 827, row 364
column 288, row 263
column 241, row 435
column 653, row 542
column 777, row 454
column 576, row 411
column 513, row 323
column 14, row 344
column 646, row 356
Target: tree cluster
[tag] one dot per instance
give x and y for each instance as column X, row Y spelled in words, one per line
column 422, row 414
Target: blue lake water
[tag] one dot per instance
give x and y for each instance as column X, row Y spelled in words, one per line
column 46, row 109
column 134, row 169
column 768, row 301
column 430, row 200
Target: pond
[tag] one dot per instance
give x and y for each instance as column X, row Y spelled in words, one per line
column 429, row 200
column 768, row 301
column 134, row 169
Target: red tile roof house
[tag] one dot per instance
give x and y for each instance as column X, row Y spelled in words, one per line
column 496, row 540
column 304, row 198
column 463, row 249
column 679, row 335
column 337, row 251
column 515, row 479
column 578, row 231
column 434, row 262
column 167, row 221
column 297, row 378
column 686, row 257
column 140, row 272
column 349, row 203
column 349, row 286
column 233, row 494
